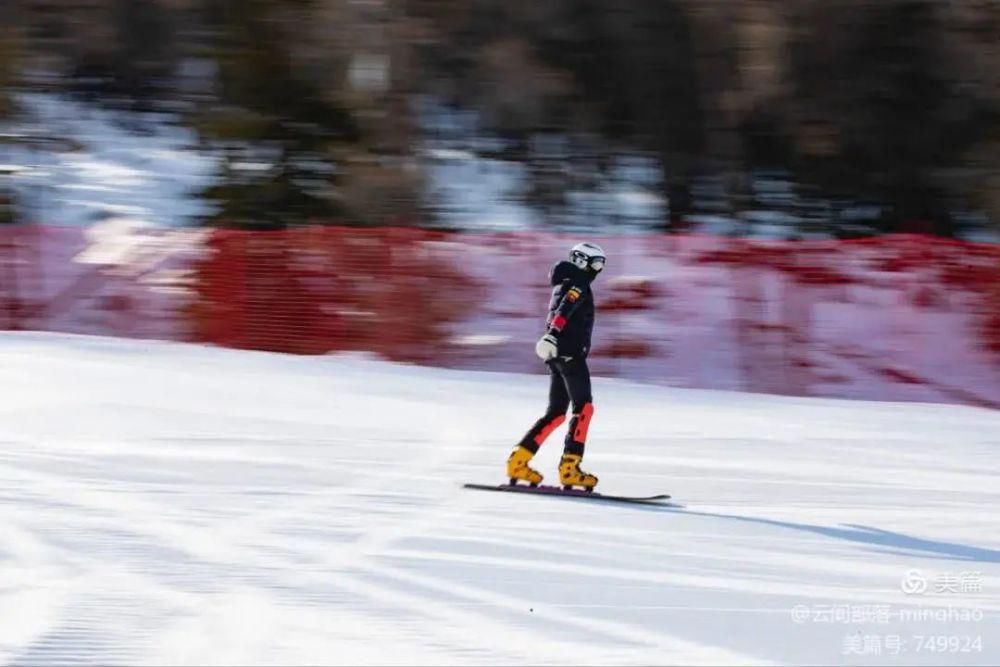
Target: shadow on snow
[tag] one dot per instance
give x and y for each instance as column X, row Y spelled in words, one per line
column 887, row 541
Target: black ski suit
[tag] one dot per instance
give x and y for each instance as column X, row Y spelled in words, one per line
column 571, row 321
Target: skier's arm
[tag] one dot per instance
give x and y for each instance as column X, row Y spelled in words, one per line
column 567, row 306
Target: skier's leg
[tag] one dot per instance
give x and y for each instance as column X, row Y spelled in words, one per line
column 554, row 415
column 576, row 375
column 577, row 378
column 518, row 463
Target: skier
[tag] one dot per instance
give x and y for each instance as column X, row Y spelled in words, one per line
column 564, row 349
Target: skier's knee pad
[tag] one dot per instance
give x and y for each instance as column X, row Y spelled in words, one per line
column 552, row 423
column 581, row 422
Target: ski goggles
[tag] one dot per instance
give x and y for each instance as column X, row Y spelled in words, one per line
column 595, row 263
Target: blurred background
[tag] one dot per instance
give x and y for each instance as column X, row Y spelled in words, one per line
column 799, row 196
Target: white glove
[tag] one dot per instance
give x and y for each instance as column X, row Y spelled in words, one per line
column 546, row 348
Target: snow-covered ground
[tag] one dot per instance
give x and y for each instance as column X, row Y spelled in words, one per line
column 171, row 504
column 71, row 162
column 75, row 163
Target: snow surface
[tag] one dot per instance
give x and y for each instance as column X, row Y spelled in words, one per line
column 76, row 163
column 471, row 191
column 174, row 504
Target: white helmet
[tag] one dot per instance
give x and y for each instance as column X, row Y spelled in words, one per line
column 588, row 256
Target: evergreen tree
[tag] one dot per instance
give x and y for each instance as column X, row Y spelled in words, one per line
column 278, row 132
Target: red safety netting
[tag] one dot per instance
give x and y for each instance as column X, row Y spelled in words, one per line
column 893, row 318
column 325, row 289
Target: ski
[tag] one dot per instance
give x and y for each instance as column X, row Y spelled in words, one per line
column 573, row 493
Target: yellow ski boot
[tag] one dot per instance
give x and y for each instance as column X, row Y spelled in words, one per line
column 570, row 474
column 518, row 467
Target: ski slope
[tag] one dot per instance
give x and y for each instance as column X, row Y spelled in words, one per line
column 170, row 504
